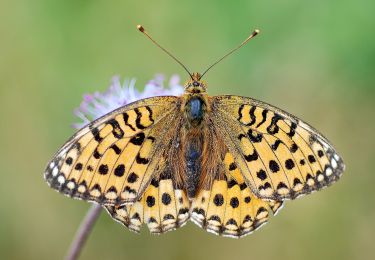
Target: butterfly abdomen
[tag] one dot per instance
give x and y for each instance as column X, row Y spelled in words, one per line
column 193, row 171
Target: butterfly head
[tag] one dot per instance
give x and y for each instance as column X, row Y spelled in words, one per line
column 195, row 84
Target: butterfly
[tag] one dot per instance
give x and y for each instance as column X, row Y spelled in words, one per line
column 224, row 162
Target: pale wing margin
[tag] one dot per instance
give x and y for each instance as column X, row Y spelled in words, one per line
column 250, row 125
column 77, row 170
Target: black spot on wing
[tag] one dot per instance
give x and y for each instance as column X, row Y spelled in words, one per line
column 96, row 187
column 252, row 116
column 119, row 170
column 232, row 166
column 273, row 128
column 138, row 139
column 95, row 132
column 151, row 138
column 262, row 175
column 296, row 181
column 243, row 186
column 282, row 185
column 155, row 183
column 78, row 166
column 152, row 220
column 254, row 137
column 308, row 177
column 240, row 136
column 168, row 216
column 141, row 160
column 69, row 161
column 130, row 190
column 247, row 199
column 292, row 131
column 112, row 189
column 289, row 164
column 274, row 166
column 264, row 118
column 311, row 158
column 138, row 119
column 136, row 216
column 275, row 145
column 116, row 129
column 218, row 200
column 234, row 202
column 103, row 169
column 215, row 218
column 293, row 148
column 231, row 183
column 252, row 157
column 126, row 121
column 96, row 154
column 231, row 221
column 260, row 210
column 77, row 146
column 266, row 186
column 183, row 210
column 116, row 149
column 149, row 114
column 240, row 112
column 247, row 218
column 166, row 199
column 132, row 178
column 150, row 201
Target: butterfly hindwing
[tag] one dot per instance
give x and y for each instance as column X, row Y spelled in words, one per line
column 229, row 207
column 111, row 161
column 163, row 207
column 280, row 156
column 230, row 210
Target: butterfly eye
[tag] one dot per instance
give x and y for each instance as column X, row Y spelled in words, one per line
column 195, row 84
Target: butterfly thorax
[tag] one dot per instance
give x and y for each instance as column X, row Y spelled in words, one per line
column 194, row 101
column 194, row 110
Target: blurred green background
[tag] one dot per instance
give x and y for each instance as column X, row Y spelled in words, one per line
column 315, row 59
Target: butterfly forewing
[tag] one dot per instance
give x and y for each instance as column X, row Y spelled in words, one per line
column 111, row 161
column 280, row 156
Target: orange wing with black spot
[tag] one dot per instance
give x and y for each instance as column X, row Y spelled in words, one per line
column 229, row 208
column 163, row 207
column 280, row 157
column 113, row 159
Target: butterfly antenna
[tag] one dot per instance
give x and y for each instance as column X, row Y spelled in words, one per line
column 142, row 30
column 252, row 35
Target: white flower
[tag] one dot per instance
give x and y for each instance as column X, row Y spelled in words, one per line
column 117, row 95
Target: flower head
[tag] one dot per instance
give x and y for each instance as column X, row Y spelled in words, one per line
column 117, row 95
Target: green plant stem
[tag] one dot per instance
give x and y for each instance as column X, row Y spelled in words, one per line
column 83, row 232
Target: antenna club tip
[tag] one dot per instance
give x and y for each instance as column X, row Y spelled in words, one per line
column 140, row 28
column 256, row 31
